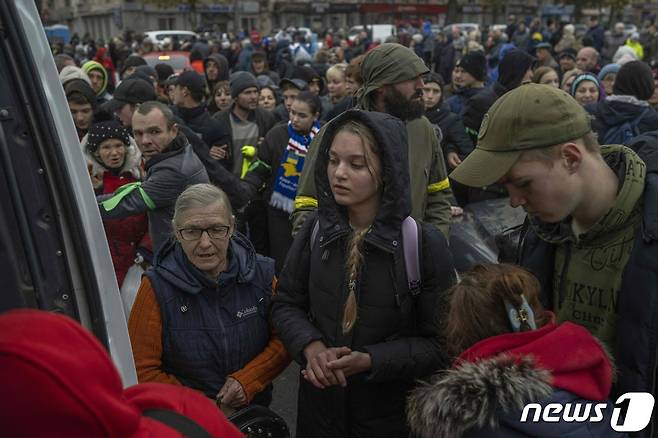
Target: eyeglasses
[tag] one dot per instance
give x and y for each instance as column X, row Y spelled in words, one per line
column 217, row 232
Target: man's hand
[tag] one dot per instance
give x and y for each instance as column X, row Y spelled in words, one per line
column 218, row 152
column 317, row 357
column 353, row 363
column 232, row 394
column 453, row 160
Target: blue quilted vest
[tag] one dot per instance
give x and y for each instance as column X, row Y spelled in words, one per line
column 211, row 329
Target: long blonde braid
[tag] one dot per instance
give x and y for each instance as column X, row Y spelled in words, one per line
column 353, row 265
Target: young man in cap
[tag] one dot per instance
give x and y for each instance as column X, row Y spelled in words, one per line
column 290, row 89
column 189, row 105
column 127, row 96
column 567, row 60
column 544, row 56
column 81, row 99
column 392, row 84
column 591, row 236
column 468, row 77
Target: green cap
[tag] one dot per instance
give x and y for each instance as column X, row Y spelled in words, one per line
column 532, row 116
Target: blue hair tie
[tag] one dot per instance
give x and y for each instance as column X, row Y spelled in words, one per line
column 523, row 314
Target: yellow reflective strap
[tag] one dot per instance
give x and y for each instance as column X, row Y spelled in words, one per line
column 438, row 186
column 305, row 202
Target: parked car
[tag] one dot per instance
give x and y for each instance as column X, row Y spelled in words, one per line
column 464, row 28
column 377, row 32
column 179, row 61
column 158, row 36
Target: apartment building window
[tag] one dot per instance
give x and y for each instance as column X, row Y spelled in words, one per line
column 168, row 23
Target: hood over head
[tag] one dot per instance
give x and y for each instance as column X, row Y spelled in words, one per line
column 94, row 65
column 222, row 62
column 71, row 72
column 513, row 67
column 63, row 377
column 390, row 135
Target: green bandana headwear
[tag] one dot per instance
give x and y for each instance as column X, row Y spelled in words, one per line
column 387, row 64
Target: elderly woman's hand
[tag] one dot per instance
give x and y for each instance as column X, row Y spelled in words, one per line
column 232, row 394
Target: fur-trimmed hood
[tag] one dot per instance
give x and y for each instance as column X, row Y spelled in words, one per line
column 494, row 379
column 131, row 165
column 474, row 396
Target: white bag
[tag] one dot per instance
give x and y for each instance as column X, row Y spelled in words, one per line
column 130, row 286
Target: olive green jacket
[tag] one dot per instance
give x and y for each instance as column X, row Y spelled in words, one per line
column 430, row 187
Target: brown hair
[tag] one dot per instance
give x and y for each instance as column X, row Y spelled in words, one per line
column 353, row 69
column 477, row 304
column 540, row 73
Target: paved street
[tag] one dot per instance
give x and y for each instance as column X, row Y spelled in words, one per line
column 285, row 396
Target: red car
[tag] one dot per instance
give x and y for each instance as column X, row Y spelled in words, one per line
column 179, row 61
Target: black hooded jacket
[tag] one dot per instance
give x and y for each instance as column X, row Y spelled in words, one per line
column 512, row 69
column 400, row 332
column 609, row 114
column 454, row 137
column 222, row 62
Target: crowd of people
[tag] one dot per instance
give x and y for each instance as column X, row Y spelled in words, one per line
column 296, row 205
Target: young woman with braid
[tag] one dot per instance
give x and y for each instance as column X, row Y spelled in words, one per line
column 343, row 308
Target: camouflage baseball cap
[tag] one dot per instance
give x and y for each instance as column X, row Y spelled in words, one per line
column 532, row 116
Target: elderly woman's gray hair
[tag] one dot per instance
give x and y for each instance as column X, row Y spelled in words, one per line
column 200, row 195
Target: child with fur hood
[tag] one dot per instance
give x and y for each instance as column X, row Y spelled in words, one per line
column 510, row 353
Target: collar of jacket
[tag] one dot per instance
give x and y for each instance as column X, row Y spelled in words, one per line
column 177, row 146
column 188, row 114
column 390, row 134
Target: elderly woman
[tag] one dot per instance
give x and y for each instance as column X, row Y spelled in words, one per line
column 113, row 160
column 200, row 318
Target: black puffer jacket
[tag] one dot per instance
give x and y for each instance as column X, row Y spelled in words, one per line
column 400, row 332
column 454, row 137
column 609, row 114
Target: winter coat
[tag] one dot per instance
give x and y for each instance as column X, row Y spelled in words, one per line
column 167, row 176
column 225, row 324
column 263, row 118
column 454, row 137
column 222, row 62
column 460, row 98
column 444, row 60
column 611, row 113
column 199, row 120
column 400, row 332
column 123, row 235
column 597, row 35
column 485, row 392
column 636, row 301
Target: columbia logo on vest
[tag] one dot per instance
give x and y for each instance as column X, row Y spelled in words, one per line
column 246, row 311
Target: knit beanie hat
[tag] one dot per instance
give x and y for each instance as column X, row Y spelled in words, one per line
column 132, row 61
column 82, row 87
column 608, row 69
column 513, row 67
column 241, row 81
column 99, row 132
column 164, row 71
column 634, row 78
column 475, row 64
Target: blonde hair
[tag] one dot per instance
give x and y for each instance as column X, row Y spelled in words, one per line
column 337, row 68
column 354, row 249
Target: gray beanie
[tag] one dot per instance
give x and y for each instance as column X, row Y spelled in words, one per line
column 240, row 81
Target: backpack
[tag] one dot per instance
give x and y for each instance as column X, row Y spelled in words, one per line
column 621, row 134
column 411, row 248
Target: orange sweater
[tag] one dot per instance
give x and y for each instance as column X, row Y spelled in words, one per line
column 145, row 329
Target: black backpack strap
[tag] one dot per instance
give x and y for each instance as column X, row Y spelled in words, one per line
column 179, row 422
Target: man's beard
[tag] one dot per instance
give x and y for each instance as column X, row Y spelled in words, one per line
column 403, row 108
